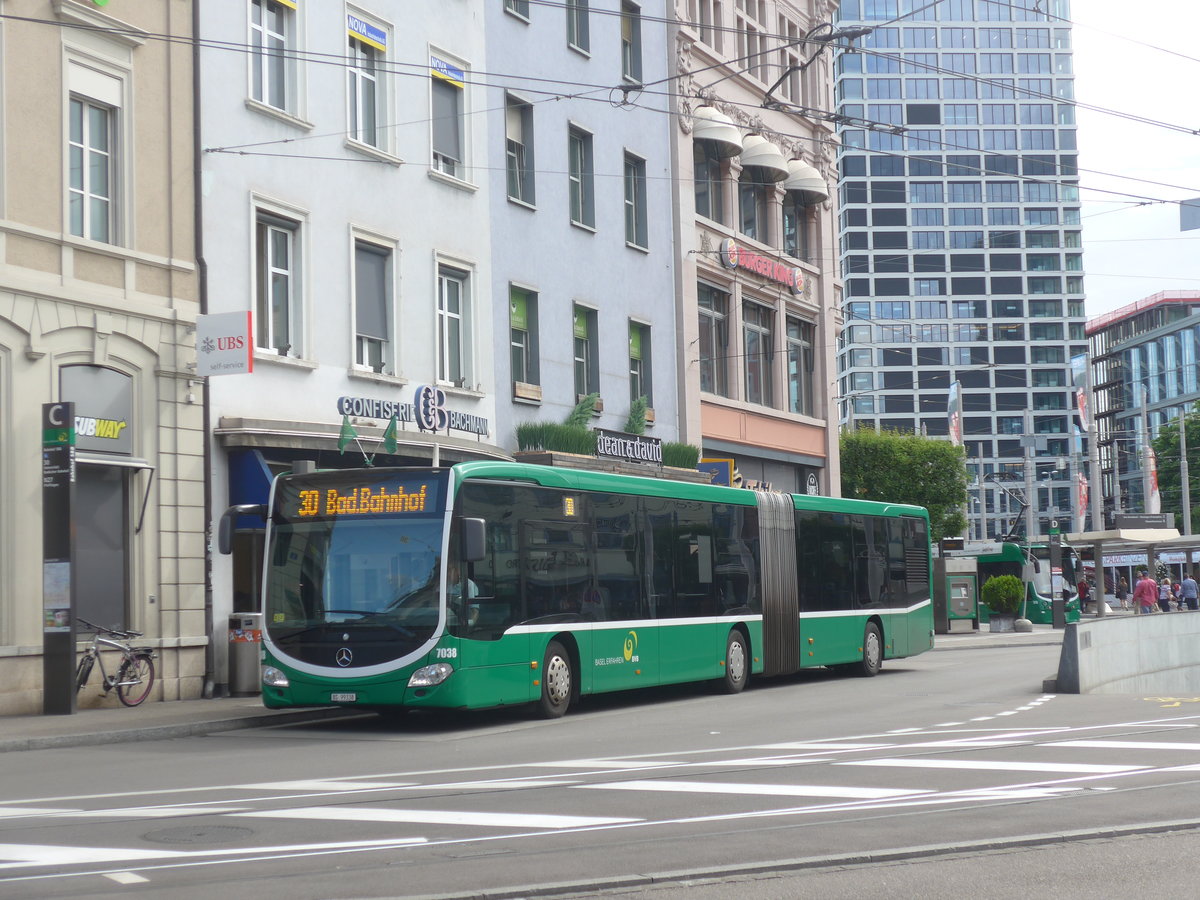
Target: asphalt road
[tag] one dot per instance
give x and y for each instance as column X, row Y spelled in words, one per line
column 813, row 785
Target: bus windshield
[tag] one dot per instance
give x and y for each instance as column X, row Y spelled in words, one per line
column 355, row 564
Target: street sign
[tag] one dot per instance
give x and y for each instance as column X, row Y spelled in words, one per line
column 1145, row 520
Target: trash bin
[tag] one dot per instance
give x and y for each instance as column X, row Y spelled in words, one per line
column 245, row 654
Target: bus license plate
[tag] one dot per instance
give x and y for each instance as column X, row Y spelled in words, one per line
column 342, row 698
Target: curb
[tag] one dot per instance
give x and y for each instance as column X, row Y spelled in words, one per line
column 178, row 729
column 777, row 867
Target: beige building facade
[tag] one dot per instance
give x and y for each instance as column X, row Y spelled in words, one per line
column 758, row 289
column 99, row 292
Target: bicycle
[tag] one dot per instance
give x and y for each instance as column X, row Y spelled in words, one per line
column 135, row 674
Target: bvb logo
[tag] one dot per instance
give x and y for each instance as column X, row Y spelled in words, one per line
column 631, row 643
column 431, row 408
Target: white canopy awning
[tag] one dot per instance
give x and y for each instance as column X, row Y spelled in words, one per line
column 760, row 153
column 804, row 180
column 718, row 129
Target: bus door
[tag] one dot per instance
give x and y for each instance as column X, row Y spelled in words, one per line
column 557, row 583
column 683, row 562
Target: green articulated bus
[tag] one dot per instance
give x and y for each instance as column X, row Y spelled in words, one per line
column 496, row 583
column 1031, row 563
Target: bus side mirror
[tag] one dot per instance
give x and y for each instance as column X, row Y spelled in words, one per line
column 225, row 526
column 474, row 539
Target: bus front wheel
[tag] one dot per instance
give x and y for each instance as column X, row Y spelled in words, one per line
column 557, row 681
column 737, row 663
column 872, row 651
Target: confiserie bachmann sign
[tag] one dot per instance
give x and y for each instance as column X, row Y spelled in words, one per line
column 631, row 447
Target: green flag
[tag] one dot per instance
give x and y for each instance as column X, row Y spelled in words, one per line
column 347, row 434
column 389, row 436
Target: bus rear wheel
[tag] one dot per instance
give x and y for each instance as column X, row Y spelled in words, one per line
column 557, row 681
column 872, row 651
column 737, row 663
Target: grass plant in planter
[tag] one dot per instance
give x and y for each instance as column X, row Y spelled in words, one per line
column 1003, row 595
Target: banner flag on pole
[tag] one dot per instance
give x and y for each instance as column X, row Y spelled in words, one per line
column 954, row 407
column 389, row 436
column 347, row 434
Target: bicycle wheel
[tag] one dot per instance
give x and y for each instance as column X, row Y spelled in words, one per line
column 135, row 679
column 84, row 671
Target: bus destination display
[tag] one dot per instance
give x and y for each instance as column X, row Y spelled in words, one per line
column 302, row 499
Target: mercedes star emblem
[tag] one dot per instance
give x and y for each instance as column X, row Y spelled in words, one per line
column 343, row 657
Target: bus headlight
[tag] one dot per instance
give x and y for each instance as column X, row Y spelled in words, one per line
column 272, row 677
column 428, row 676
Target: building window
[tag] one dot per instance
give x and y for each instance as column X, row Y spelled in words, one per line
column 800, row 363
column 523, row 331
column 635, row 201
column 368, row 46
column 587, row 371
column 713, row 306
column 446, row 86
column 518, row 149
column 750, row 19
column 795, row 228
column 453, row 323
column 517, row 7
column 277, row 284
column 92, row 170
column 580, row 177
column 372, row 305
column 708, row 181
column 753, row 203
column 577, row 24
column 706, row 17
column 758, row 346
column 272, row 53
column 631, row 42
column 639, row 363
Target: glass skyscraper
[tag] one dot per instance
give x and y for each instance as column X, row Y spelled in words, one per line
column 960, row 243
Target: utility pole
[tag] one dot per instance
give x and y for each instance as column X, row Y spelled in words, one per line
column 1183, row 475
column 1030, row 497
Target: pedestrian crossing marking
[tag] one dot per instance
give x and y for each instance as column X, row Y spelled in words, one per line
column 759, row 790
column 1131, row 745
column 155, row 812
column 437, row 817
column 990, row 765
column 318, row 784
column 607, row 763
column 24, row 812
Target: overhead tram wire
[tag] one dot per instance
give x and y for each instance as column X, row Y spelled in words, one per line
column 421, row 71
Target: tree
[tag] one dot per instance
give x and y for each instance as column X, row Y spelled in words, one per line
column 1166, row 453
column 907, row 468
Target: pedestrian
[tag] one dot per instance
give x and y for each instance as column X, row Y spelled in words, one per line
column 1189, row 591
column 1123, row 592
column 1164, row 595
column 1145, row 594
column 1085, row 593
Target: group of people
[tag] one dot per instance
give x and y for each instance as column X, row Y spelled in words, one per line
column 1149, row 595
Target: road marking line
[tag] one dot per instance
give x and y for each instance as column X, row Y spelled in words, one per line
column 501, row 785
column 1130, row 745
column 760, row 790
column 318, row 784
column 126, row 877
column 988, row 765
column 437, row 817
column 760, row 761
column 607, row 763
column 23, row 812
column 24, row 855
column 156, row 812
column 818, row 745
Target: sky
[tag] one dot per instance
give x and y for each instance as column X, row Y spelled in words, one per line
column 1132, row 251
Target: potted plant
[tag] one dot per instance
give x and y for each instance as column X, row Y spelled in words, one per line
column 1003, row 595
